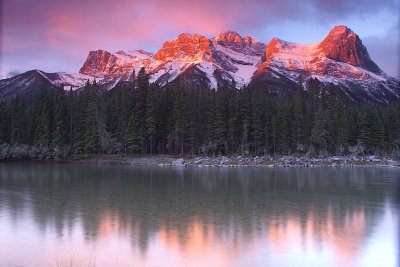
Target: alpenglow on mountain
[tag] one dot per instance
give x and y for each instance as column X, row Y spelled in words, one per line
column 278, row 67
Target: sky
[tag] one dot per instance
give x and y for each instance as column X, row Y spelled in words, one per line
column 56, row 35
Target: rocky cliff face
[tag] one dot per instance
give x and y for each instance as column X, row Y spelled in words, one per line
column 244, row 45
column 187, row 47
column 101, row 63
column 340, row 58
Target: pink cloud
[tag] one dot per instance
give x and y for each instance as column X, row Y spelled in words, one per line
column 53, row 40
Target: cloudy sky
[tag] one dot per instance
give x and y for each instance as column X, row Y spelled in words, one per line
column 54, row 35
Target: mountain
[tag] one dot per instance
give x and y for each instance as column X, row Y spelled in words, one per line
column 26, row 84
column 31, row 82
column 340, row 58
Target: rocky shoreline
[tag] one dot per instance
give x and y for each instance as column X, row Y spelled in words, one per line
column 239, row 161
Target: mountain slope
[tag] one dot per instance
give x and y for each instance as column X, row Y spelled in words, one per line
column 31, row 82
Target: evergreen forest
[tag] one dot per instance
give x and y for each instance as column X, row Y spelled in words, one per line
column 142, row 118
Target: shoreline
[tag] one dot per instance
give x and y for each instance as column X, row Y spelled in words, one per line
column 232, row 161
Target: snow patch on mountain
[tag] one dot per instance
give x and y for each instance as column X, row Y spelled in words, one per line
column 75, row 80
column 209, row 69
column 134, row 56
column 245, row 65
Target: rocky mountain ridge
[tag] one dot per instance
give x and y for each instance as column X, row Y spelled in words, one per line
column 340, row 58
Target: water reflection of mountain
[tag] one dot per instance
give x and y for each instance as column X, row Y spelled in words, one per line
column 189, row 209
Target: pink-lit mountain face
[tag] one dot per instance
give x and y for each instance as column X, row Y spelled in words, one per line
column 341, row 45
column 340, row 58
column 225, row 57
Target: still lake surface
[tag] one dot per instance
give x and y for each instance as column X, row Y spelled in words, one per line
column 91, row 215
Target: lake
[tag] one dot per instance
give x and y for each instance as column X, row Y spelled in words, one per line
column 110, row 215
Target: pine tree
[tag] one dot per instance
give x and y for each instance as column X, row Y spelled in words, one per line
column 43, row 130
column 245, row 119
column 211, row 116
column 391, row 129
column 299, row 120
column 140, row 100
column 4, row 123
column 353, row 118
column 342, row 131
column 71, row 117
column 372, row 131
column 221, row 119
column 91, row 129
column 78, row 109
column 318, row 132
column 92, row 123
column 258, row 127
column 131, row 136
column 283, row 126
column 268, row 115
column 274, row 134
column 150, row 118
column 234, row 127
column 180, row 113
column 59, row 136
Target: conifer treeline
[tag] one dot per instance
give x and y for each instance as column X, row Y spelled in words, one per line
column 143, row 118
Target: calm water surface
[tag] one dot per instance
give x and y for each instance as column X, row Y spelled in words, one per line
column 58, row 214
